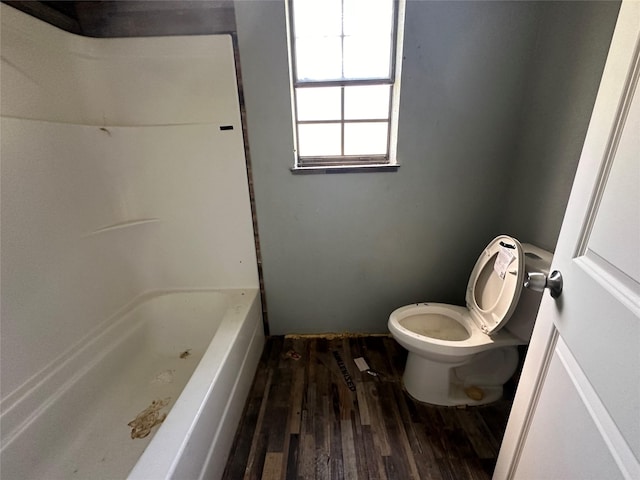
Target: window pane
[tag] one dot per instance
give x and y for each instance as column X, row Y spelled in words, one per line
column 367, row 57
column 370, row 102
column 318, row 58
column 368, row 17
column 342, row 40
column 318, row 139
column 318, row 103
column 365, row 138
column 317, row 18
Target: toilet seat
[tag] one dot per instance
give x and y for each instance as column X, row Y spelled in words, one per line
column 491, row 299
column 416, row 339
column 495, row 284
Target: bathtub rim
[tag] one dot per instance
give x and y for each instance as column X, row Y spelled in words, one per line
column 200, row 387
column 28, row 402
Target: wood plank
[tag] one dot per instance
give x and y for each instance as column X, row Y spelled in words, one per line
column 258, row 444
column 380, row 436
column 426, row 460
column 375, row 463
column 335, row 455
column 404, row 461
column 272, row 469
column 406, row 432
column 243, row 442
column 476, row 433
column 359, row 453
column 244, row 439
column 301, row 421
column 349, row 462
column 363, row 406
column 307, row 457
column 404, row 417
column 323, row 438
column 291, row 472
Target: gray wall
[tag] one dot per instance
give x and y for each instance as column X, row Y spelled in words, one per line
column 341, row 251
column 564, row 74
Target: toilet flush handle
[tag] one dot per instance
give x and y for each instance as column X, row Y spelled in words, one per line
column 537, row 282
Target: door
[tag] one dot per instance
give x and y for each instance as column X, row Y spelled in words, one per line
column 576, row 414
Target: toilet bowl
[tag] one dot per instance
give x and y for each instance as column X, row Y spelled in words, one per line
column 464, row 355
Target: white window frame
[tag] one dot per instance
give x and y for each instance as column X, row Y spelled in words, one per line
column 387, row 161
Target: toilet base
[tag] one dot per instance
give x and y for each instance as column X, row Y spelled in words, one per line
column 437, row 383
column 458, row 398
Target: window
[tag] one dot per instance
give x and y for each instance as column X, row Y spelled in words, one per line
column 345, row 71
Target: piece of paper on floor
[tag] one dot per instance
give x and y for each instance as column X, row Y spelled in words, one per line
column 361, row 363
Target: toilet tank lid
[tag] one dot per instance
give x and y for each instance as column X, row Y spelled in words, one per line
column 495, row 283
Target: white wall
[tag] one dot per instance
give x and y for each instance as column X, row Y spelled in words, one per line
column 116, row 180
column 341, row 251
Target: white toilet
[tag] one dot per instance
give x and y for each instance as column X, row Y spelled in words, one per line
column 464, row 355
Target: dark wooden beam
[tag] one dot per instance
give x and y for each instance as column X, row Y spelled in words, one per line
column 137, row 18
column 48, row 14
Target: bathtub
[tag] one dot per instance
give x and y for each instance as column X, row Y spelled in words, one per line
column 192, row 352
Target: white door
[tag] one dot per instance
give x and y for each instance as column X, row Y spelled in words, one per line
column 576, row 414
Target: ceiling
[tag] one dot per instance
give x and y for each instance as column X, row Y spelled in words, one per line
column 134, row 18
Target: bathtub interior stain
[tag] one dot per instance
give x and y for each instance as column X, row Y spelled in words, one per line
column 165, row 376
column 186, row 353
column 147, row 419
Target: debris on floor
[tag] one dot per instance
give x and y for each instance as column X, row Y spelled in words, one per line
column 147, row 419
column 361, row 363
column 293, row 354
column 344, row 371
column 474, row 393
column 185, row 354
column 363, row 366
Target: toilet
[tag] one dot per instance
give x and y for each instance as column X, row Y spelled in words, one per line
column 464, row 355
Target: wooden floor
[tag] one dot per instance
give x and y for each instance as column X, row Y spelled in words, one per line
column 305, row 419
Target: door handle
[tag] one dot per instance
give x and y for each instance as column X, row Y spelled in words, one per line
column 537, row 282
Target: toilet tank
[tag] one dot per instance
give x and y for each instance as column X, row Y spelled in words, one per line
column 523, row 319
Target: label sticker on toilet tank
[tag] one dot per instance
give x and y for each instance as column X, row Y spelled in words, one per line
column 505, row 257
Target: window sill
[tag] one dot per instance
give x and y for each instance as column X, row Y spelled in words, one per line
column 370, row 168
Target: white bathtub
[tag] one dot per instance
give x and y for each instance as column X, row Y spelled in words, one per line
column 199, row 349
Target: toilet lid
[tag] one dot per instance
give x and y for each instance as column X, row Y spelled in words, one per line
column 495, row 283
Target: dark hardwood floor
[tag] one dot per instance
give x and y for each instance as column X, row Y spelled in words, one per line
column 312, row 414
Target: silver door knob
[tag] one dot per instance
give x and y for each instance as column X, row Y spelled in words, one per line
column 537, row 282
